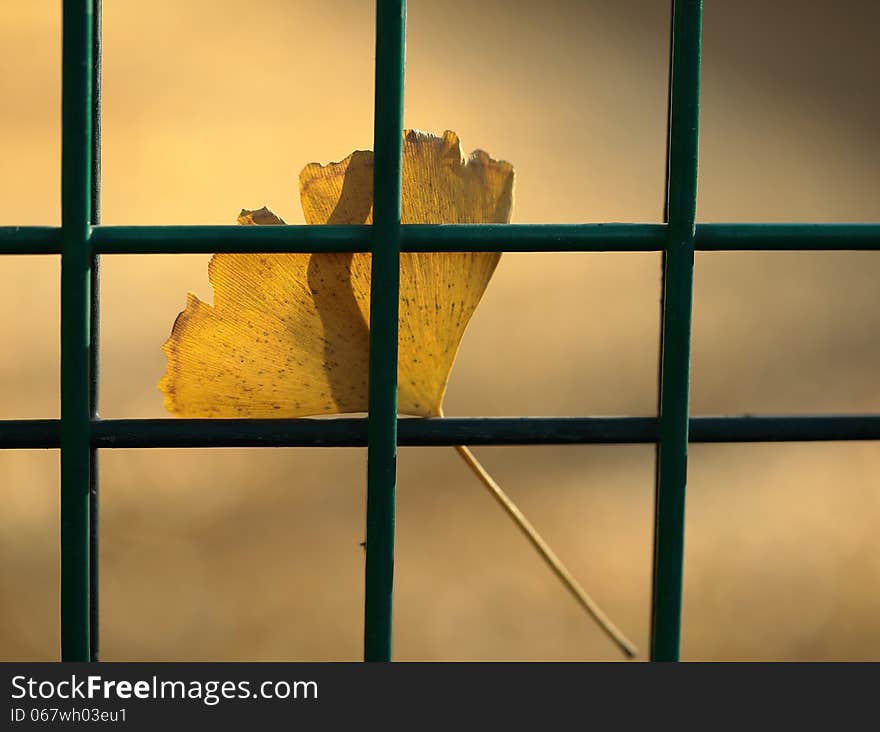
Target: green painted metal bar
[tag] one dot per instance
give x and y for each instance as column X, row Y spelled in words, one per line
column 28, row 434
column 75, row 317
column 678, row 272
column 414, row 237
column 240, row 239
column 458, row 237
column 384, row 293
column 611, row 237
column 533, row 237
column 30, row 240
column 94, row 334
column 351, row 432
column 791, row 237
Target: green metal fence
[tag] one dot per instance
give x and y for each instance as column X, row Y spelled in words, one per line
column 80, row 433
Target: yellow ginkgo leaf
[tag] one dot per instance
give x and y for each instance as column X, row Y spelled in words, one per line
column 288, row 334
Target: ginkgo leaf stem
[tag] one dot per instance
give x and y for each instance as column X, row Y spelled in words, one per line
column 549, row 556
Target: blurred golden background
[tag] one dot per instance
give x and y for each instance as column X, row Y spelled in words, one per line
column 254, row 554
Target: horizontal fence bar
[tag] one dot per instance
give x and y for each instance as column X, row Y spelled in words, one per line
column 30, row 240
column 232, row 239
column 352, row 431
column 414, row 238
column 788, row 237
column 28, row 434
column 453, row 237
column 533, row 237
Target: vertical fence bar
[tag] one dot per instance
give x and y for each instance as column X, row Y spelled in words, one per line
column 94, row 333
column 76, row 111
column 384, row 293
column 678, row 275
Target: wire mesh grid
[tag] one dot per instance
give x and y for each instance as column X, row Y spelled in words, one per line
column 80, row 433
